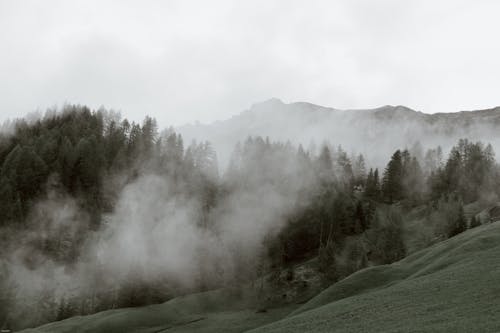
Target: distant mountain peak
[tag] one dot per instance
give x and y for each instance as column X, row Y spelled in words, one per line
column 269, row 103
column 396, row 108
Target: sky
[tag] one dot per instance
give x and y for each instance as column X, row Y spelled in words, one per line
column 186, row 61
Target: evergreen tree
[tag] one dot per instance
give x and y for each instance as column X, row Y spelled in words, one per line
column 459, row 224
column 149, row 134
column 344, row 167
column 325, row 160
column 413, row 181
column 392, row 184
column 359, row 170
column 376, row 184
column 372, row 187
column 360, row 220
column 327, row 263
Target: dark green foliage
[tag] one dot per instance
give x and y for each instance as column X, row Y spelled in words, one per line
column 386, row 236
column 331, row 216
column 23, row 172
column 445, row 216
column 343, row 212
column 65, row 309
column 467, row 172
column 392, row 182
column 327, row 263
column 359, row 170
column 459, row 224
column 344, row 170
column 7, row 293
column 67, row 144
column 413, row 180
column 372, row 187
column 361, row 221
column 325, row 164
column 403, row 179
column 67, row 159
column 11, row 207
column 474, row 222
column 79, row 146
column 355, row 258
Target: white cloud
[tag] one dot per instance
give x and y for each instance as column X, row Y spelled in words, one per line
column 182, row 61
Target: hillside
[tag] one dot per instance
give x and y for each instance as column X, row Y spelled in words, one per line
column 233, row 309
column 449, row 287
column 382, row 129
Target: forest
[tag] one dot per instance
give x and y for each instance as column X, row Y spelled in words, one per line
column 98, row 213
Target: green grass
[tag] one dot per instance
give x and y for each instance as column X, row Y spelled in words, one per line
column 453, row 286
column 225, row 310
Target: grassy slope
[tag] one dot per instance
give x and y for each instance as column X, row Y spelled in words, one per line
column 223, row 310
column 227, row 310
column 452, row 286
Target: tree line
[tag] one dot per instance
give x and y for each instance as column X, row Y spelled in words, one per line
column 343, row 207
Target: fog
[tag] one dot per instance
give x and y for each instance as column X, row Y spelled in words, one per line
column 376, row 133
column 154, row 237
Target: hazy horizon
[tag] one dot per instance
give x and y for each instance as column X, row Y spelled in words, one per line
column 139, row 117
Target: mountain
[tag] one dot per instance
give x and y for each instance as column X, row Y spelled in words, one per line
column 449, row 287
column 382, row 129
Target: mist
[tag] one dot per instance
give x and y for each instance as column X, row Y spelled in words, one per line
column 158, row 235
column 375, row 133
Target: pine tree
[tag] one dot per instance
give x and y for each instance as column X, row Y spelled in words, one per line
column 392, row 186
column 325, row 160
column 149, row 134
column 372, row 187
column 344, row 166
column 376, row 184
column 369, row 184
column 360, row 218
column 413, row 180
column 459, row 225
column 359, row 170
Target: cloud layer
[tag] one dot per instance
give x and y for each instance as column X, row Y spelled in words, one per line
column 182, row 61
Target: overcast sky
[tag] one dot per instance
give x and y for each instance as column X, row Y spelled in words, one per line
column 182, row 61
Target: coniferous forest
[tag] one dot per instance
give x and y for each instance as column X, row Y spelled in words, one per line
column 99, row 213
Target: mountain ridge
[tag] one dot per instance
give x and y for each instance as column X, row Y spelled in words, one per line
column 275, row 102
column 383, row 129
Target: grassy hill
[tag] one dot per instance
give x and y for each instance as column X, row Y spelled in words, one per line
column 449, row 287
column 452, row 286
